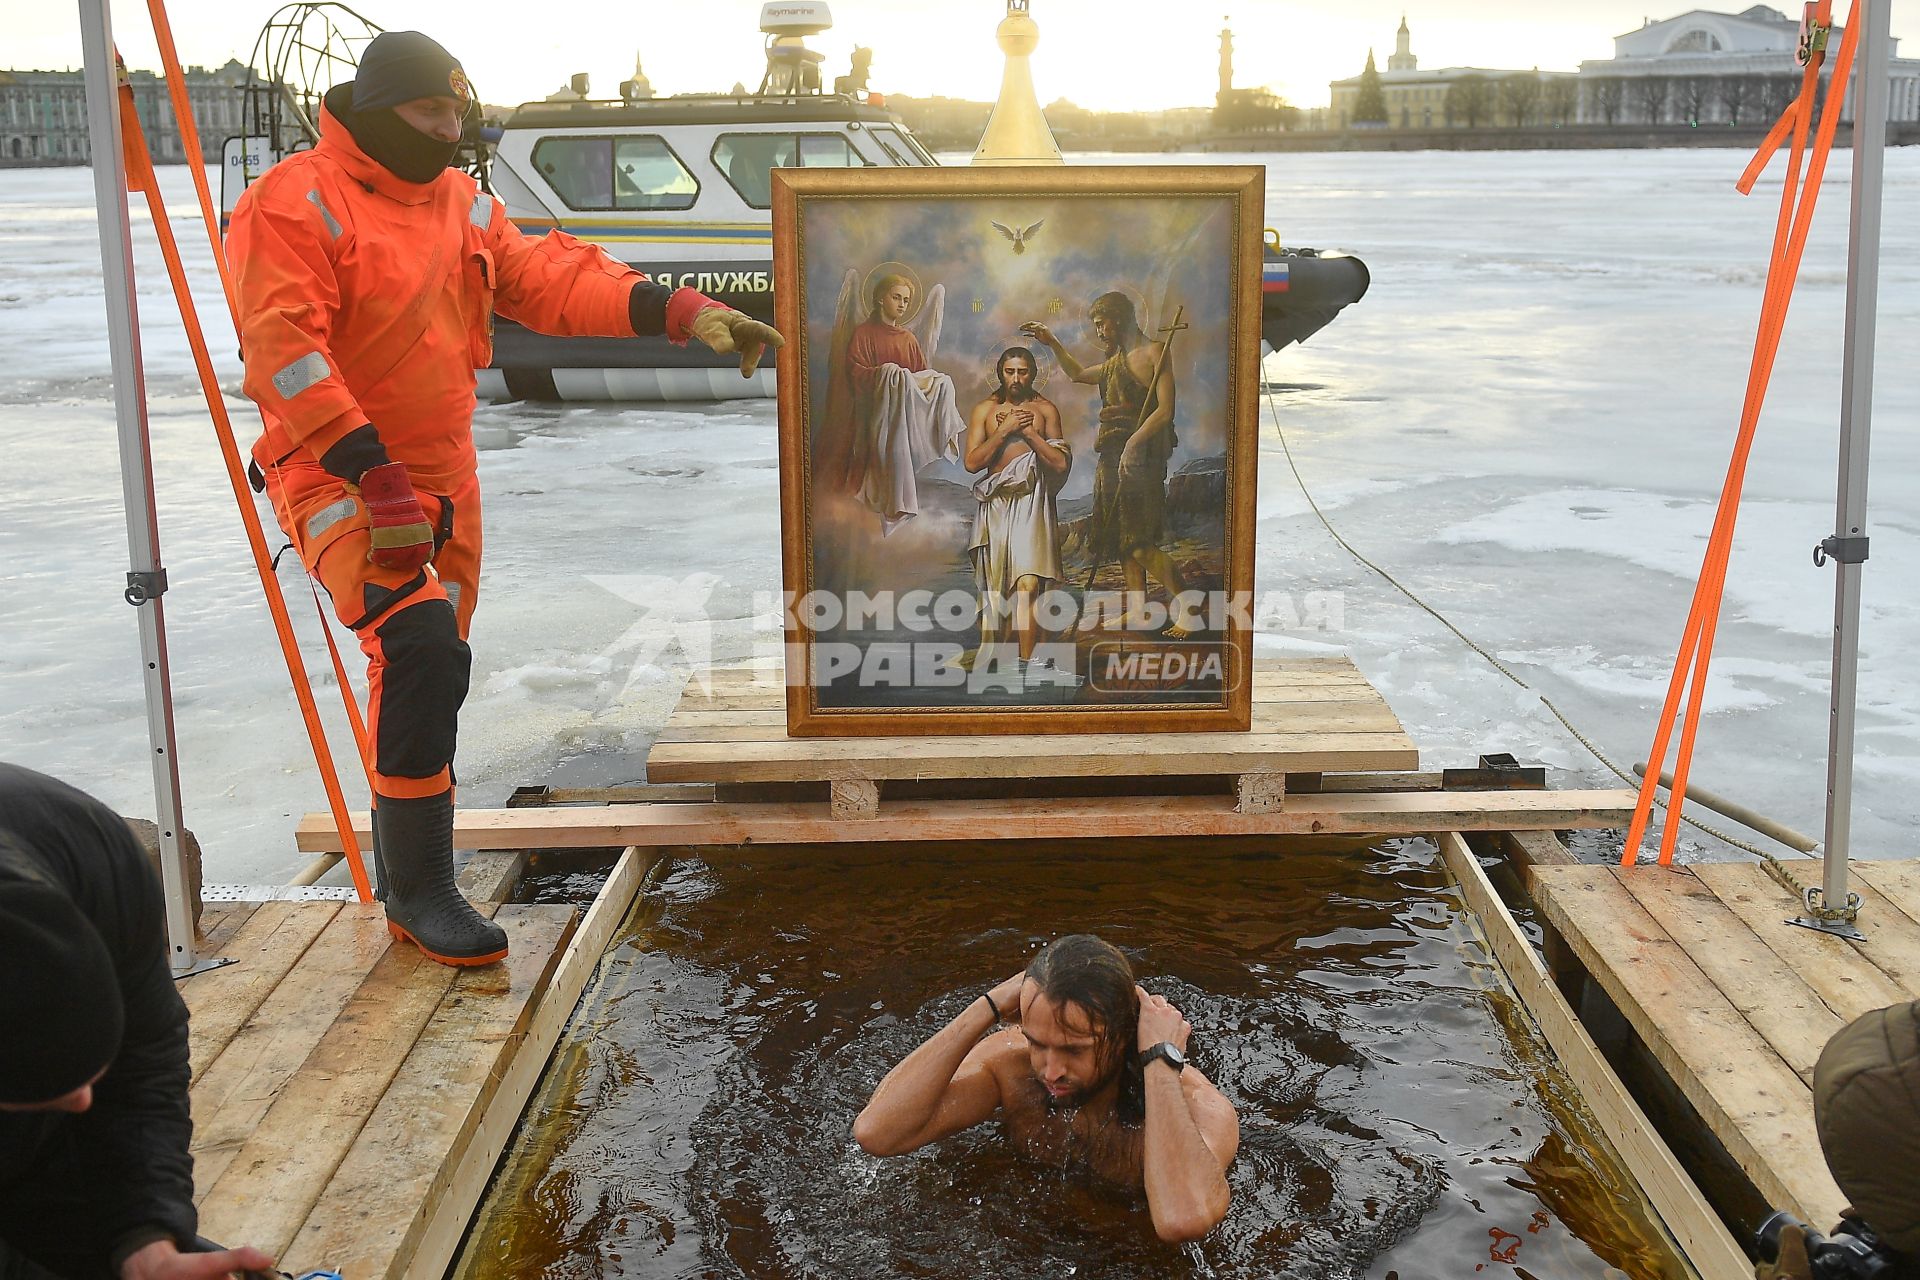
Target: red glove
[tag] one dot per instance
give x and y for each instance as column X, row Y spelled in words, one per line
column 402, row 538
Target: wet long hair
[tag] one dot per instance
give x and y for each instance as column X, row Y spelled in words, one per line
column 1096, row 976
column 1000, row 369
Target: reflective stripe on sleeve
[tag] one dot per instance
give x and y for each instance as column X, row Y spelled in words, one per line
column 326, row 214
column 309, row 369
column 482, row 212
column 328, row 516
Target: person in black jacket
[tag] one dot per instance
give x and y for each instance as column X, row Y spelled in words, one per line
column 95, row 1177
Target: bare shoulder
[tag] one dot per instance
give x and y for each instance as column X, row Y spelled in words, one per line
column 981, row 410
column 1215, row 1117
column 1143, row 358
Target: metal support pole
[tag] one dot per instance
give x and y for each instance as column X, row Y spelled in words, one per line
column 147, row 579
column 1848, row 545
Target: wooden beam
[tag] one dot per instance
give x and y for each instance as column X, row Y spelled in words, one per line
column 381, row 1199
column 1683, row 1210
column 1344, row 813
column 233, row 1095
column 221, row 1000
column 1831, row 965
column 1759, row 1109
column 455, row 1204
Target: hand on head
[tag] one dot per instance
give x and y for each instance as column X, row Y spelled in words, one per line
column 1161, row 1021
column 1007, row 997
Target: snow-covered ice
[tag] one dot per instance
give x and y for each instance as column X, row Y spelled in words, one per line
column 1527, row 421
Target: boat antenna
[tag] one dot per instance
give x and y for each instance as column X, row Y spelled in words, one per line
column 792, row 68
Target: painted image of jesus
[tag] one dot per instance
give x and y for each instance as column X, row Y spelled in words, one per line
column 889, row 413
column 1014, row 439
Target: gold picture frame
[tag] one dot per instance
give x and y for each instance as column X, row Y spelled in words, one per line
column 1092, row 489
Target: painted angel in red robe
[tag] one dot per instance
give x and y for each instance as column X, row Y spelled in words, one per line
column 889, row 412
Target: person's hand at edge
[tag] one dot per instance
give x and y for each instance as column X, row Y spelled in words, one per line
column 726, row 331
column 162, row 1260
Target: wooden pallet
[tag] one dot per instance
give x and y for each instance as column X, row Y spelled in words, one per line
column 1310, row 715
column 350, row 1098
column 1734, row 1003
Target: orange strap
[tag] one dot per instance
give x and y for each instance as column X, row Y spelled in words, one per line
column 141, row 178
column 1789, row 246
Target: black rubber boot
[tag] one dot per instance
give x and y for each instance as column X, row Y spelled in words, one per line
column 424, row 907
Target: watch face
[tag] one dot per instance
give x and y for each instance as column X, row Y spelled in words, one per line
column 1168, row 1050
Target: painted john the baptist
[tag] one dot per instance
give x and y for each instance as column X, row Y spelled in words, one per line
column 1017, row 447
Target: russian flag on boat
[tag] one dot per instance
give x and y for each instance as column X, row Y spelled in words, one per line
column 1274, row 277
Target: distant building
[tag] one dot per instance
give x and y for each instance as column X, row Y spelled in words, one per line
column 43, row 114
column 1709, row 67
column 1246, row 110
column 1417, row 99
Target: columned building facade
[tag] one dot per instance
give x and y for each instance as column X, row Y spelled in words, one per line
column 1708, row 67
column 43, row 114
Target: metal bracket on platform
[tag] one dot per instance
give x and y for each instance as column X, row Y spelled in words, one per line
column 204, row 966
column 142, row 587
column 1497, row 772
column 1841, row 550
column 1823, row 920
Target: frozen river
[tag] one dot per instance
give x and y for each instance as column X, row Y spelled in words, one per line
column 1527, row 421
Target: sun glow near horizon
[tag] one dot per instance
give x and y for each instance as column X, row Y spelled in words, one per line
column 1090, row 50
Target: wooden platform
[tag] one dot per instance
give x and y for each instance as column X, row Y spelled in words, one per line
column 1310, row 715
column 350, row 1098
column 1734, row 1003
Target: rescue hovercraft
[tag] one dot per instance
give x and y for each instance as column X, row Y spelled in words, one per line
column 682, row 189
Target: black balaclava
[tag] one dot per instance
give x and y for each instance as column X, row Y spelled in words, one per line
column 60, row 1003
column 397, row 67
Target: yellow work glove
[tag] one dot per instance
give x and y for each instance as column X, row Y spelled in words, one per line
column 1793, row 1263
column 727, row 331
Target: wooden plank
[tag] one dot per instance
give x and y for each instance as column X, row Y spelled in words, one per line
column 1339, row 813
column 234, row 1095
column 1682, row 1209
column 1831, row 965
column 219, row 921
column 468, row 1178
column 272, row 1183
column 378, row 1205
column 1890, row 917
column 1759, row 1109
column 1775, row 1000
column 811, row 759
column 491, row 874
column 1529, row 849
column 1353, row 716
column 220, row 1000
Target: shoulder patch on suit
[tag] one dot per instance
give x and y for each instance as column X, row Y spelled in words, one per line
column 482, row 213
column 326, row 214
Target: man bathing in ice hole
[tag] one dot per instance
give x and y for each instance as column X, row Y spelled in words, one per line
column 1083, row 1067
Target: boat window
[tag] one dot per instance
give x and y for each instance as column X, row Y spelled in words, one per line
column 647, row 175
column 635, row 172
column 829, row 151
column 891, row 143
column 749, row 159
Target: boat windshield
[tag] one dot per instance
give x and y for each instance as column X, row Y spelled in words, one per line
column 749, row 159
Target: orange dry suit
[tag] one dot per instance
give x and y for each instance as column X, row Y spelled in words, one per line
column 367, row 299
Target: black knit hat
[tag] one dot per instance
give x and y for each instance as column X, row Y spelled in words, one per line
column 400, row 66
column 59, row 999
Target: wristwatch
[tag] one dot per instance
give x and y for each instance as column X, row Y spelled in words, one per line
column 1165, row 1052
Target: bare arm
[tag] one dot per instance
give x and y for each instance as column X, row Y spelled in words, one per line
column 1191, row 1135
column 944, row 1086
column 1163, row 394
column 1047, row 442
column 1072, row 367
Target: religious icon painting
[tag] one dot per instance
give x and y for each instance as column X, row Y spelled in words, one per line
column 1018, row 417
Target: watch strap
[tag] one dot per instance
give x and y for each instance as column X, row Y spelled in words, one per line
column 1167, row 1053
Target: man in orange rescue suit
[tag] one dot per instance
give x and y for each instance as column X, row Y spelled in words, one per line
column 368, row 273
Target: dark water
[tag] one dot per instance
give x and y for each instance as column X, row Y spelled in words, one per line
column 1396, row 1117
